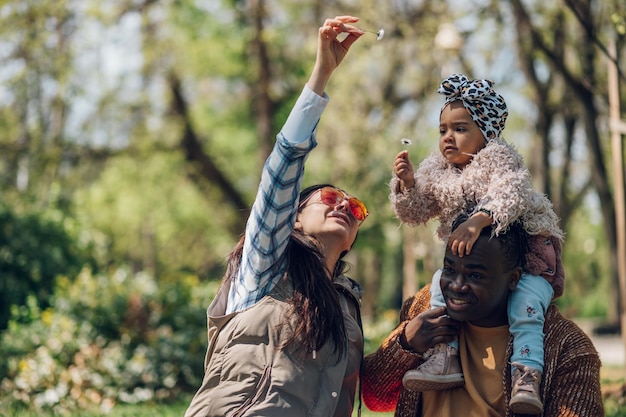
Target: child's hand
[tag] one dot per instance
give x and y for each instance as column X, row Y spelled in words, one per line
column 404, row 170
column 462, row 239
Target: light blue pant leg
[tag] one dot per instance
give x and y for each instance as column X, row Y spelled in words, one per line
column 527, row 307
column 436, row 300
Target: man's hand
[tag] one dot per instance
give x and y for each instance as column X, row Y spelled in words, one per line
column 429, row 329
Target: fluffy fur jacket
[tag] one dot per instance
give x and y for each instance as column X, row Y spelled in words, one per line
column 495, row 180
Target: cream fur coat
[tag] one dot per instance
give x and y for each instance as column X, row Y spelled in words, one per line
column 495, row 180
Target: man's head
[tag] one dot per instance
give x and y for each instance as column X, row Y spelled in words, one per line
column 476, row 286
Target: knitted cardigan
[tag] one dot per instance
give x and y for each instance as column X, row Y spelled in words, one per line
column 570, row 383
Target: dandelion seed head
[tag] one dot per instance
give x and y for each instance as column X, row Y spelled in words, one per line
column 406, row 141
column 380, row 34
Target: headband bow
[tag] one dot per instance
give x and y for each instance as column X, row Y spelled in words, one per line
column 486, row 107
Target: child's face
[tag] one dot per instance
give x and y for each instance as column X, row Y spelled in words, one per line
column 459, row 137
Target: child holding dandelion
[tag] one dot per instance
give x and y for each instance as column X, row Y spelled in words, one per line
column 478, row 173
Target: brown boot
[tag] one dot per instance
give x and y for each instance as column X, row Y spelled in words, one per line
column 525, row 397
column 442, row 370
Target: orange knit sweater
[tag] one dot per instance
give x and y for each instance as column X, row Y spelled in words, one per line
column 570, row 383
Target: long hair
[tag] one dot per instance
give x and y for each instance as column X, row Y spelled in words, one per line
column 315, row 307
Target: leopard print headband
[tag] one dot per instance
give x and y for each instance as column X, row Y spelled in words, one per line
column 487, row 108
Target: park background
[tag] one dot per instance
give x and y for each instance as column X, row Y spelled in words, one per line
column 132, row 138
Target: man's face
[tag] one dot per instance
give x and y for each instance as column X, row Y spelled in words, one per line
column 476, row 287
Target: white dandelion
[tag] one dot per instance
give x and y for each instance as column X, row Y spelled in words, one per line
column 379, row 35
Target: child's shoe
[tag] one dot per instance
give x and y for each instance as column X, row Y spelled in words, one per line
column 442, row 370
column 525, row 397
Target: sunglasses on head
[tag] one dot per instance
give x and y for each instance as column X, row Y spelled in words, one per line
column 332, row 197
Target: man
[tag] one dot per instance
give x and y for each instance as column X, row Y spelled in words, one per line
column 476, row 288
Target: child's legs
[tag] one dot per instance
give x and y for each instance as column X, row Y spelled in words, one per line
column 436, row 300
column 527, row 308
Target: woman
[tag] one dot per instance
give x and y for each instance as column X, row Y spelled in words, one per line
column 284, row 329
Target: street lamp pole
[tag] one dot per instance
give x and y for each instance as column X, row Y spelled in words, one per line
column 449, row 40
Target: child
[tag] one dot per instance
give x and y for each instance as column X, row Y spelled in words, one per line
column 478, row 173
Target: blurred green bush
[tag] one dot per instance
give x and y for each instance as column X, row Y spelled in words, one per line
column 34, row 249
column 105, row 339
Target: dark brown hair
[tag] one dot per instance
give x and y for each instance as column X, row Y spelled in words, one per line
column 315, row 307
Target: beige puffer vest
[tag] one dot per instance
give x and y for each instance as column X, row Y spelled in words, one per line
column 247, row 375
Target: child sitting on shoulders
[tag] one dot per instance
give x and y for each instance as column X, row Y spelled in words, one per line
column 478, row 173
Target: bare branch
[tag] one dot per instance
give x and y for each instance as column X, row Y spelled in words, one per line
column 203, row 166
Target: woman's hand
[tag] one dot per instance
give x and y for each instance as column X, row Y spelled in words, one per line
column 330, row 51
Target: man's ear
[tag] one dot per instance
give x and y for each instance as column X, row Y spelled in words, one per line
column 514, row 277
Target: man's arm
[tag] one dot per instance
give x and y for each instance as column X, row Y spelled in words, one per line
column 383, row 370
column 571, row 371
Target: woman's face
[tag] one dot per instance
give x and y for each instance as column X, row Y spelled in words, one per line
column 459, row 136
column 328, row 215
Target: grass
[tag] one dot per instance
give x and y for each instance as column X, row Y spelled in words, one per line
column 367, row 413
column 176, row 409
column 612, row 379
column 613, row 390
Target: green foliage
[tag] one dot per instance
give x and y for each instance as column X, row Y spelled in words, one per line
column 34, row 249
column 85, row 119
column 615, row 405
column 376, row 331
column 587, row 280
column 143, row 213
column 148, row 409
column 107, row 339
column 86, row 116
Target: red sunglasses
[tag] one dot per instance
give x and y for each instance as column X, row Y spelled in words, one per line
column 332, row 197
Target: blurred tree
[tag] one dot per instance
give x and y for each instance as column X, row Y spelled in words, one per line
column 148, row 121
column 36, row 100
column 34, row 250
column 560, row 48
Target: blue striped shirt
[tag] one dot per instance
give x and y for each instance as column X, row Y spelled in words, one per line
column 273, row 214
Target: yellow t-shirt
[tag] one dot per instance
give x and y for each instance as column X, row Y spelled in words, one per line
column 482, row 351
